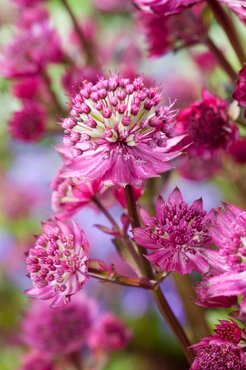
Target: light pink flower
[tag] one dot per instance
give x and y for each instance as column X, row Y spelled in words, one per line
column 177, row 235
column 116, row 132
column 70, row 195
column 109, row 334
column 58, row 331
column 28, row 124
column 58, row 262
column 221, row 350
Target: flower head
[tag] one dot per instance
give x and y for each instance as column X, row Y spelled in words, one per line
column 207, row 125
column 69, row 195
column 109, row 334
column 220, row 351
column 28, row 124
column 177, row 235
column 116, row 132
column 57, row 264
column 58, row 331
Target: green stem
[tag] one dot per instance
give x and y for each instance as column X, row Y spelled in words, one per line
column 48, row 83
column 229, row 28
column 157, row 293
column 221, row 59
column 86, row 46
column 106, row 213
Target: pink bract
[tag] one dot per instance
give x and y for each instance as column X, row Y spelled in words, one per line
column 58, row 331
column 28, row 124
column 221, row 350
column 109, row 334
column 58, row 263
column 177, row 235
column 117, row 133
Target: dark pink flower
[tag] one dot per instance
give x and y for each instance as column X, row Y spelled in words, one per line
column 240, row 93
column 169, row 32
column 58, row 331
column 29, row 51
column 178, row 235
column 164, row 7
column 27, row 3
column 71, row 80
column 36, row 361
column 28, row 124
column 238, row 150
column 116, row 132
column 220, row 351
column 70, row 195
column 28, row 88
column 208, row 126
column 58, row 262
column 109, row 334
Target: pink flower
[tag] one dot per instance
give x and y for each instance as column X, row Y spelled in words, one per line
column 36, row 361
column 237, row 6
column 240, row 93
column 109, row 334
column 29, row 51
column 221, row 350
column 164, row 7
column 58, row 331
column 70, row 195
column 169, row 32
column 28, row 124
column 205, row 60
column 207, row 125
column 178, row 235
column 71, row 80
column 58, row 262
column 116, row 132
column 228, row 232
column 238, row 150
column 197, row 168
column 27, row 3
column 119, row 194
column 29, row 88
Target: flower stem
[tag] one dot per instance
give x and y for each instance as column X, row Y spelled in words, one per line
column 157, row 293
column 47, row 81
column 86, row 46
column 106, row 213
column 226, row 66
column 227, row 24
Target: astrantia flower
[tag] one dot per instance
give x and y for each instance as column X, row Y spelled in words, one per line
column 207, row 125
column 228, row 232
column 240, row 93
column 28, row 124
column 109, row 334
column 164, row 7
column 116, row 132
column 177, row 235
column 36, row 361
column 69, row 195
column 220, row 351
column 238, row 150
column 58, row 331
column 57, row 264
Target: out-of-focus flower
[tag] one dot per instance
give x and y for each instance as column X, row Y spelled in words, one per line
column 228, row 232
column 197, row 168
column 164, row 7
column 240, row 93
column 178, row 235
column 221, row 350
column 58, row 331
column 205, row 60
column 69, row 195
column 36, row 361
column 71, row 80
column 111, row 6
column 28, row 124
column 29, row 88
column 58, row 262
column 27, row 3
column 238, row 150
column 29, row 51
column 109, row 334
column 116, row 132
column 207, row 125
column 164, row 33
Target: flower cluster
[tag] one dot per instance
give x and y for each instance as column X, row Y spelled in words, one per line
column 58, row 262
column 221, row 350
column 177, row 235
column 117, row 133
